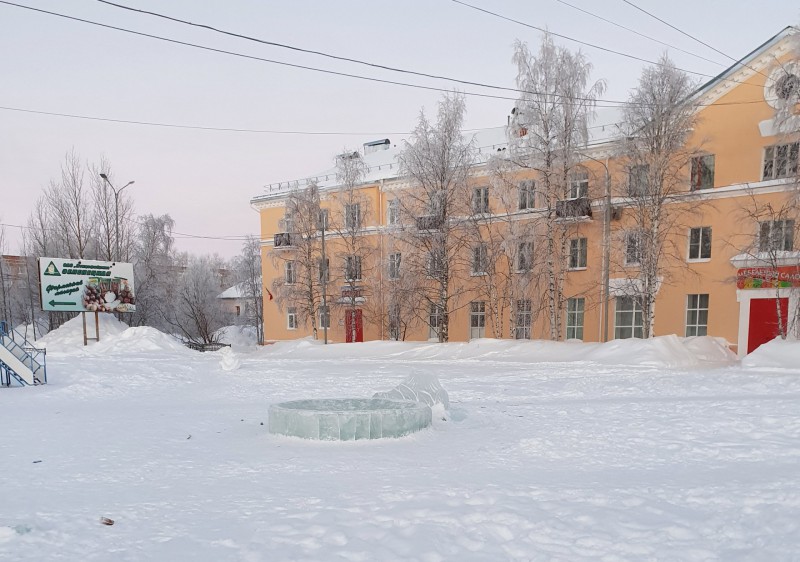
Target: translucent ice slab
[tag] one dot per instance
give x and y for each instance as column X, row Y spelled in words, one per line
column 346, row 419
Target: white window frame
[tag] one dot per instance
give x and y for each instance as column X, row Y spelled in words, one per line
column 579, row 184
column 393, row 212
column 633, row 306
column 698, row 165
column 771, row 160
column 352, row 216
column 703, row 233
column 787, row 227
column 477, row 320
column 579, row 250
column 324, row 316
column 291, row 318
column 290, row 272
column 480, row 201
column 352, row 268
column 527, row 195
column 697, row 314
column 633, row 239
column 576, row 306
column 480, row 259
column 523, row 315
column 435, row 319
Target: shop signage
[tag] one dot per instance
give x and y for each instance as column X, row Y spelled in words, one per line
column 768, row 277
column 86, row 285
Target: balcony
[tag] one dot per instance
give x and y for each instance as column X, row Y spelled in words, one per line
column 574, row 208
column 429, row 222
column 283, row 240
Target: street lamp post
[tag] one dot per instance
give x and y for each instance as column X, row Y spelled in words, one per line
column 116, row 209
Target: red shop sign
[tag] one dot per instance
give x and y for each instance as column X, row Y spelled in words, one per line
column 768, row 277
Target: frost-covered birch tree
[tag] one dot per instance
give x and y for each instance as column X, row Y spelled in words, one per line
column 436, row 163
column 247, row 267
column 300, row 257
column 548, row 129
column 658, row 119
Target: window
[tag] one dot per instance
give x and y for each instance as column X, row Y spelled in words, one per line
column 526, row 194
column 324, row 267
column 436, row 264
column 394, row 265
column 577, row 253
column 637, row 180
column 780, row 161
column 437, row 204
column 697, row 315
column 238, row 311
column 788, row 86
column 352, row 216
column 525, row 256
column 575, row 307
column 479, row 259
column 480, row 200
column 775, row 236
column 287, row 222
column 435, row 321
column 700, row 243
column 633, row 248
column 393, row 212
column 324, row 317
column 702, row 172
column 477, row 319
column 290, row 272
column 522, row 319
column 628, row 318
column 579, row 185
column 291, row 318
column 352, row 268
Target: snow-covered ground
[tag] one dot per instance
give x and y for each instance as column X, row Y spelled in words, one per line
column 662, row 450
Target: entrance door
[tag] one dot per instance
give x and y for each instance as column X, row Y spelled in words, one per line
column 764, row 321
column 354, row 326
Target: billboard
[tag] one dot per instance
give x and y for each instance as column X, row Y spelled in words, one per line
column 86, row 285
column 768, row 277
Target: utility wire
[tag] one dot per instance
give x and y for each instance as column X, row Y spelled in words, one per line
column 738, row 62
column 232, row 238
column 196, row 127
column 603, row 102
column 644, row 35
column 592, row 45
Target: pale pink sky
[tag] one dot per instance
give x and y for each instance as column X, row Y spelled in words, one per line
column 205, row 179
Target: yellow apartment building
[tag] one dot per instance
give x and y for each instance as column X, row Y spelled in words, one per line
column 733, row 267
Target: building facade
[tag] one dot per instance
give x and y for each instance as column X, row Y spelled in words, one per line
column 729, row 264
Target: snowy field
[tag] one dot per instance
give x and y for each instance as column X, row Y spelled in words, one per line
column 659, row 450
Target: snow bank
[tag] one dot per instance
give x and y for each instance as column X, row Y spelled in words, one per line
column 663, row 351
column 229, row 360
column 783, row 354
column 137, row 340
column 68, row 338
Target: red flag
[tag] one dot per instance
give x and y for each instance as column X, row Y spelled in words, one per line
column 270, row 294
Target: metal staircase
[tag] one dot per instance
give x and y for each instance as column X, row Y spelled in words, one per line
column 20, row 360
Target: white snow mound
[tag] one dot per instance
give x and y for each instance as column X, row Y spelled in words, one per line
column 783, row 354
column 137, row 340
column 419, row 387
column 68, row 338
column 239, row 336
column 229, row 361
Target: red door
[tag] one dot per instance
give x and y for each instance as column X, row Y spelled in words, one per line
column 354, row 326
column 764, row 321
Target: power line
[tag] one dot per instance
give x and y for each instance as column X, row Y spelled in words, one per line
column 196, row 127
column 738, row 62
column 603, row 102
column 644, row 35
column 232, row 238
column 587, row 44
